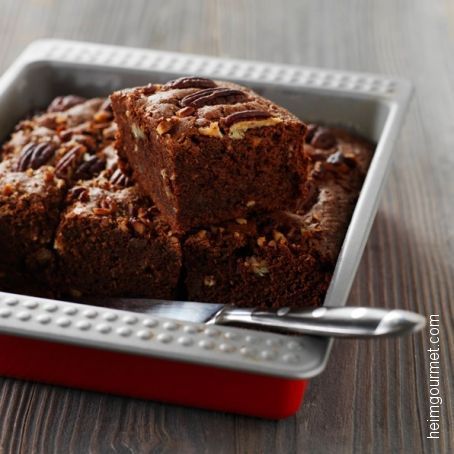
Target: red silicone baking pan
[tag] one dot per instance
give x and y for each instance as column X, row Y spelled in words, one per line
column 220, row 368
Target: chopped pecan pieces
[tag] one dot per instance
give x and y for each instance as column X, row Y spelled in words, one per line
column 209, row 281
column 138, row 225
column 185, row 111
column 212, row 130
column 100, row 211
column 257, row 266
column 165, row 126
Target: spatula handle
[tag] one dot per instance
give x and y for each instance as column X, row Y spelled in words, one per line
column 360, row 322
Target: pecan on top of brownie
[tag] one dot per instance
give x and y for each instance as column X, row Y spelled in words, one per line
column 210, row 108
column 67, row 136
column 111, row 241
column 208, row 151
column 46, row 154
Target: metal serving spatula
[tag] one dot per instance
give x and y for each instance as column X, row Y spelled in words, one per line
column 360, row 322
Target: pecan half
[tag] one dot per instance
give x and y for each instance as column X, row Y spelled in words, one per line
column 68, row 163
column 118, row 178
column 240, row 122
column 311, row 128
column 66, row 135
column 212, row 96
column 245, row 115
column 89, row 168
column 62, row 103
column 191, row 82
column 323, row 138
column 34, row 155
column 78, row 193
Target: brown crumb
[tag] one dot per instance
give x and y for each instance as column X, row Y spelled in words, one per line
column 257, row 266
column 165, row 126
column 138, row 226
column 102, row 211
column 279, row 236
column 261, row 240
column 209, row 281
column 8, row 189
column 185, row 111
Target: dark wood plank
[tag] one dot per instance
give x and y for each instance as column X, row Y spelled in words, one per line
column 373, row 396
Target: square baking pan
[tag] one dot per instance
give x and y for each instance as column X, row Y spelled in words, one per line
column 216, row 367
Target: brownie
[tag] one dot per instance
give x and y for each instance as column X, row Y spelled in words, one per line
column 285, row 258
column 111, row 241
column 29, row 213
column 74, row 223
column 45, row 155
column 208, row 151
column 71, row 222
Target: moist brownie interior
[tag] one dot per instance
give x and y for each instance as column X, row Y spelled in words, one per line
column 46, row 154
column 111, row 241
column 284, row 258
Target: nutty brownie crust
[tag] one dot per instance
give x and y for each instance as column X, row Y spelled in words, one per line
column 112, row 242
column 29, row 213
column 45, row 155
column 72, row 217
column 208, row 151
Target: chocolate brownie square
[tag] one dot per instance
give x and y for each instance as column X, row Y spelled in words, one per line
column 207, row 151
column 29, row 214
column 45, row 155
column 111, row 241
column 285, row 258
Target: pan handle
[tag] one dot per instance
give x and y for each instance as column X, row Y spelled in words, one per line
column 356, row 322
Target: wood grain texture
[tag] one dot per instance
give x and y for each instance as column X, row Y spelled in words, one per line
column 373, row 396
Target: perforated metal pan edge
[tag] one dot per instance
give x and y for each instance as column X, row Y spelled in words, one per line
column 373, row 104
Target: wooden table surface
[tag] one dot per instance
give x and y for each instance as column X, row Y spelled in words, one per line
column 373, row 396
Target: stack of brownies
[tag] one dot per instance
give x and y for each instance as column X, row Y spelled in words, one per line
column 207, row 192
